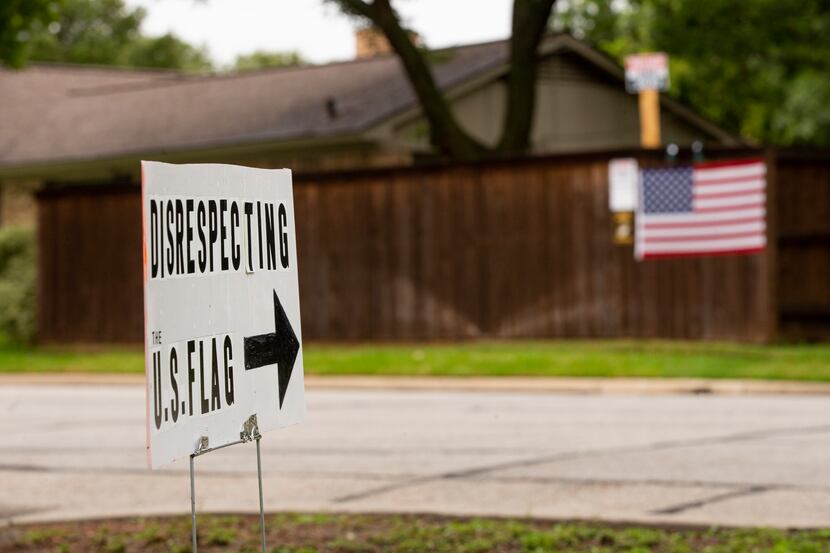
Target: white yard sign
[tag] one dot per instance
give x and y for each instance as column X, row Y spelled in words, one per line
column 221, row 305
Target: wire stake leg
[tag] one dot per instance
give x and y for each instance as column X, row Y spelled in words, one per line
column 193, row 504
column 261, row 507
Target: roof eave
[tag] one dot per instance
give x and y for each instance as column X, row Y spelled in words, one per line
column 126, row 163
column 120, row 162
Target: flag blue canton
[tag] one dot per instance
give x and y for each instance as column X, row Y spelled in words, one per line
column 667, row 190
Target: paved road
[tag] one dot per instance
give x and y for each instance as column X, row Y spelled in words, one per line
column 78, row 451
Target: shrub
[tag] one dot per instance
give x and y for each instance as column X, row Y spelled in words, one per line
column 17, row 284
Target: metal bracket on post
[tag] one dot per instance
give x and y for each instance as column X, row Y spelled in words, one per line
column 249, row 433
column 250, row 430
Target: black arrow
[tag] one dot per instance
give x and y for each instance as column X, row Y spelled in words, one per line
column 280, row 347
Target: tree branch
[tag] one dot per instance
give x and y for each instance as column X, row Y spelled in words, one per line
column 355, row 7
column 530, row 20
column 445, row 132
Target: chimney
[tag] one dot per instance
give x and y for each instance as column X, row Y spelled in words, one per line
column 371, row 42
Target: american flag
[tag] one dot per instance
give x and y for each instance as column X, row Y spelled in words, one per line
column 710, row 208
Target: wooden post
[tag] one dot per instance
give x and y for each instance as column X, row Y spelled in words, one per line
column 649, row 118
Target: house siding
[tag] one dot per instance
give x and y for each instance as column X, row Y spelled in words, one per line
column 577, row 108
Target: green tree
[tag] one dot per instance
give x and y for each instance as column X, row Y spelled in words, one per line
column 760, row 68
column 17, row 20
column 17, row 284
column 107, row 32
column 530, row 20
column 167, row 51
column 262, row 59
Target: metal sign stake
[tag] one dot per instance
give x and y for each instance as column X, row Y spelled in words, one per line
column 250, row 432
column 193, row 504
column 261, row 508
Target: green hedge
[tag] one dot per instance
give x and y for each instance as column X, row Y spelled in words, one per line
column 17, row 284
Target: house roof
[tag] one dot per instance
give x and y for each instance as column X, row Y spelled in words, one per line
column 64, row 114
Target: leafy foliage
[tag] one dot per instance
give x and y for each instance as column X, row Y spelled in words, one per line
column 262, row 59
column 17, row 284
column 107, row 32
column 167, row 51
column 756, row 67
column 17, row 18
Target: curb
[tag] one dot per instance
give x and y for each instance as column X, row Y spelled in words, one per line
column 567, row 385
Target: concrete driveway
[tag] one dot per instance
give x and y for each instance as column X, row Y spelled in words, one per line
column 73, row 451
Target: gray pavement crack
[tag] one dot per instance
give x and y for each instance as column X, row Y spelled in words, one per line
column 659, row 482
column 583, row 454
column 394, row 479
column 689, row 505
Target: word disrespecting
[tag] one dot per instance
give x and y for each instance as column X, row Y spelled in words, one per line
column 198, row 236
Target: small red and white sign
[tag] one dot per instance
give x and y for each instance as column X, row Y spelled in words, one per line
column 647, row 72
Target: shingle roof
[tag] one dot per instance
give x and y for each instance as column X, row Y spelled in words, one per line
column 66, row 113
column 55, row 114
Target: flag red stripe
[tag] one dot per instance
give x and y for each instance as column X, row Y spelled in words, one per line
column 699, row 237
column 702, row 224
column 744, row 251
column 728, row 194
column 721, row 209
column 729, row 180
column 727, row 163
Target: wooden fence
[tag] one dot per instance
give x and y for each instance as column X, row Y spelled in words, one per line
column 511, row 249
column 803, row 286
column 90, row 286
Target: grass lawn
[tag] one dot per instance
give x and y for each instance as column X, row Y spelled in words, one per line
column 566, row 358
column 577, row 358
column 292, row 533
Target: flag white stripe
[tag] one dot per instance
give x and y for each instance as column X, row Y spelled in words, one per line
column 738, row 171
column 759, row 227
column 737, row 213
column 749, row 186
column 743, row 199
column 703, row 246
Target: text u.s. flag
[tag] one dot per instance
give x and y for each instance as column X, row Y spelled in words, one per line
column 712, row 208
